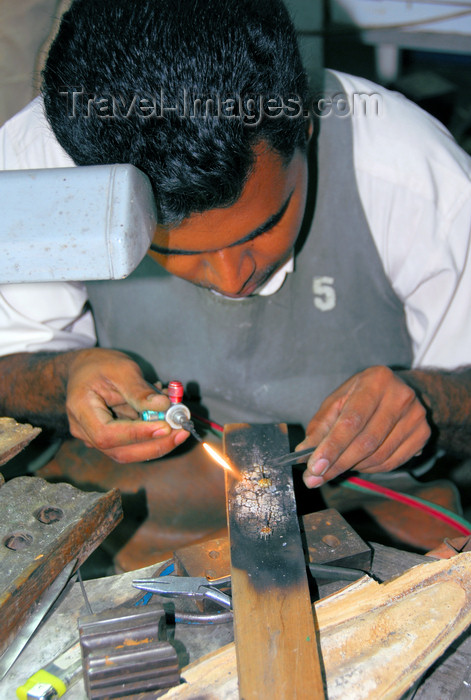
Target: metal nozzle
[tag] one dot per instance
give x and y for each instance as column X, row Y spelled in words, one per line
column 177, row 414
column 188, row 425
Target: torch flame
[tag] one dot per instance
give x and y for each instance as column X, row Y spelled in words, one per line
column 221, row 461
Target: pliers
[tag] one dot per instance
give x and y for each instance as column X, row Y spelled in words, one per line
column 197, row 587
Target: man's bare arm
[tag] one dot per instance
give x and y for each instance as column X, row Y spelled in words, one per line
column 447, row 398
column 33, row 388
column 96, row 394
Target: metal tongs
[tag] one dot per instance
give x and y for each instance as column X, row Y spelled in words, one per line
column 197, row 587
column 291, row 457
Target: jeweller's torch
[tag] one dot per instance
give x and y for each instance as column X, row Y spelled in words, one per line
column 178, row 415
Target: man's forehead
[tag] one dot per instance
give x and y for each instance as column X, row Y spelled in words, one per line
column 262, row 204
column 264, row 228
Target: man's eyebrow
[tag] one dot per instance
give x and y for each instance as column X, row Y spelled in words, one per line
column 269, row 224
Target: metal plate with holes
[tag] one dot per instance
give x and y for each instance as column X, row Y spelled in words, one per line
column 43, row 527
column 331, row 540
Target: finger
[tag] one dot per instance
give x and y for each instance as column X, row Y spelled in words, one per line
column 99, row 427
column 320, row 425
column 125, row 412
column 404, row 451
column 364, row 423
column 406, row 447
column 329, row 413
column 406, row 439
column 92, row 408
column 312, row 482
column 143, row 398
column 347, row 430
column 332, row 406
column 133, row 388
column 344, row 449
column 380, row 441
column 148, row 450
column 411, row 427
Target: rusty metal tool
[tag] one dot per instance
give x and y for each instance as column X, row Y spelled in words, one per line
column 42, row 606
column 197, row 587
column 44, row 527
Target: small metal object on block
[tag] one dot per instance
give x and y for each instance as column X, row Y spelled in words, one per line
column 122, row 654
column 331, row 540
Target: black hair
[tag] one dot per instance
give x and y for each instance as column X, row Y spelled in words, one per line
column 123, row 79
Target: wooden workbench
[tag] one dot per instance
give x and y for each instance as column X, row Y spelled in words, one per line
column 443, row 682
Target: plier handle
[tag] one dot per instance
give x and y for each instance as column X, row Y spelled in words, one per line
column 192, row 586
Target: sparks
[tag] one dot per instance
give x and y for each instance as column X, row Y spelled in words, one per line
column 221, row 461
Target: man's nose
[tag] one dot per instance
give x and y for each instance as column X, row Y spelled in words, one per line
column 229, row 270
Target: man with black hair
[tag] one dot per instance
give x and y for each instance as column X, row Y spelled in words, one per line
column 308, row 261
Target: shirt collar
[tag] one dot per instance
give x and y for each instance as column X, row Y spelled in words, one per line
column 272, row 285
column 275, row 282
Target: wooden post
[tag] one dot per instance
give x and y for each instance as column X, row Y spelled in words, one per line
column 276, row 643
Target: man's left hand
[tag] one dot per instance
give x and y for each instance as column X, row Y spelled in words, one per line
column 374, row 422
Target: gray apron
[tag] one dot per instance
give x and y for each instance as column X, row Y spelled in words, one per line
column 275, row 358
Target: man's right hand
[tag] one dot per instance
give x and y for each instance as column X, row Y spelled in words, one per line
column 105, row 394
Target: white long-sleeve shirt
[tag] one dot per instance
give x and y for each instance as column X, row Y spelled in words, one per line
column 415, row 187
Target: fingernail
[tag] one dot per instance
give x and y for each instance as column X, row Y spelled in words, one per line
column 160, row 432
column 313, row 482
column 154, row 398
column 319, row 467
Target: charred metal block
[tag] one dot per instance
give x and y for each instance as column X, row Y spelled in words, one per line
column 331, row 540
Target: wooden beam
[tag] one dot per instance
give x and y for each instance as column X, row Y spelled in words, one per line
column 276, row 641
